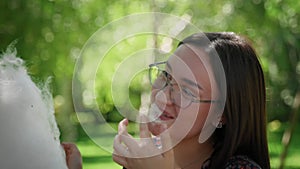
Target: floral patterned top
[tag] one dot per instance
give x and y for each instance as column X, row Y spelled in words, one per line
column 236, row 162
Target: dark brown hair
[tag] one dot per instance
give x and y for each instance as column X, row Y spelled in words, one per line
column 244, row 111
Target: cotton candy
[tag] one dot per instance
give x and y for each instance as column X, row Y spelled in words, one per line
column 29, row 136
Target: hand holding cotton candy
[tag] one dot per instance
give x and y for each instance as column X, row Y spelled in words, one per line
column 29, row 137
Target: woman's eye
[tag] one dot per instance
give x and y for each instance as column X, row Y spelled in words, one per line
column 169, row 77
column 187, row 92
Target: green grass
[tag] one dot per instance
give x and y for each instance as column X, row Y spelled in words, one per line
column 96, row 158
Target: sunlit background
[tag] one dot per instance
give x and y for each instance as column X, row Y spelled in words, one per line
column 52, row 33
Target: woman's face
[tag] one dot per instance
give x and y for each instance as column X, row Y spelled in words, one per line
column 190, row 72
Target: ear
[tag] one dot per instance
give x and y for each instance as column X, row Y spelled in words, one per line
column 223, row 120
column 220, row 122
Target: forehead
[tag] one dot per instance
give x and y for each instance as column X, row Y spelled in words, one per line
column 192, row 64
column 189, row 57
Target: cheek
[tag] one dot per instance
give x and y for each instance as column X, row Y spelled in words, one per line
column 194, row 117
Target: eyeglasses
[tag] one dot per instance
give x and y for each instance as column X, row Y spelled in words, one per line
column 179, row 95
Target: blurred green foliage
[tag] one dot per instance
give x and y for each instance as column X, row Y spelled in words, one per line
column 51, row 34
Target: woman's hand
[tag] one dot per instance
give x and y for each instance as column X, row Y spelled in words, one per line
column 73, row 156
column 143, row 153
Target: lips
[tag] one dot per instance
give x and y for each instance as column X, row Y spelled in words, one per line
column 158, row 117
column 166, row 116
column 155, row 114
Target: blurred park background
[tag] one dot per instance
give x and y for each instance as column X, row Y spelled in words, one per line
column 51, row 34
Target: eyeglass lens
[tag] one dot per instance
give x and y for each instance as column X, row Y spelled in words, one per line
column 160, row 80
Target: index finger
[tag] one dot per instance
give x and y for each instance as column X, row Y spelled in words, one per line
column 166, row 139
column 167, row 151
column 144, row 131
column 122, row 127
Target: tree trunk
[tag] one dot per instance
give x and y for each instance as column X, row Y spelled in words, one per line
column 287, row 136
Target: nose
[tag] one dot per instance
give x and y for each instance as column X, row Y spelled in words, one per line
column 164, row 96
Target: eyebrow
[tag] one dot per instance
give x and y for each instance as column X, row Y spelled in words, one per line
column 192, row 83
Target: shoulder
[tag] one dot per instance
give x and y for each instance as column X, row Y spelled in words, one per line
column 241, row 162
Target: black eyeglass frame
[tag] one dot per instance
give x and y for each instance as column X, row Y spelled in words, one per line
column 191, row 99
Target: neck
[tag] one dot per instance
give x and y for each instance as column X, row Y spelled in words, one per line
column 191, row 154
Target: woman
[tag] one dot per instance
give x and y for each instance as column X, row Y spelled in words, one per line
column 189, row 91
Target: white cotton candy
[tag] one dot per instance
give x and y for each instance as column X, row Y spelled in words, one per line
column 29, row 137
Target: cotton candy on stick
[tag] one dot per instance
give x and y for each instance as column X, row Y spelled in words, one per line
column 29, row 137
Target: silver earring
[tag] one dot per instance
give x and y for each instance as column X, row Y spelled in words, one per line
column 220, row 125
